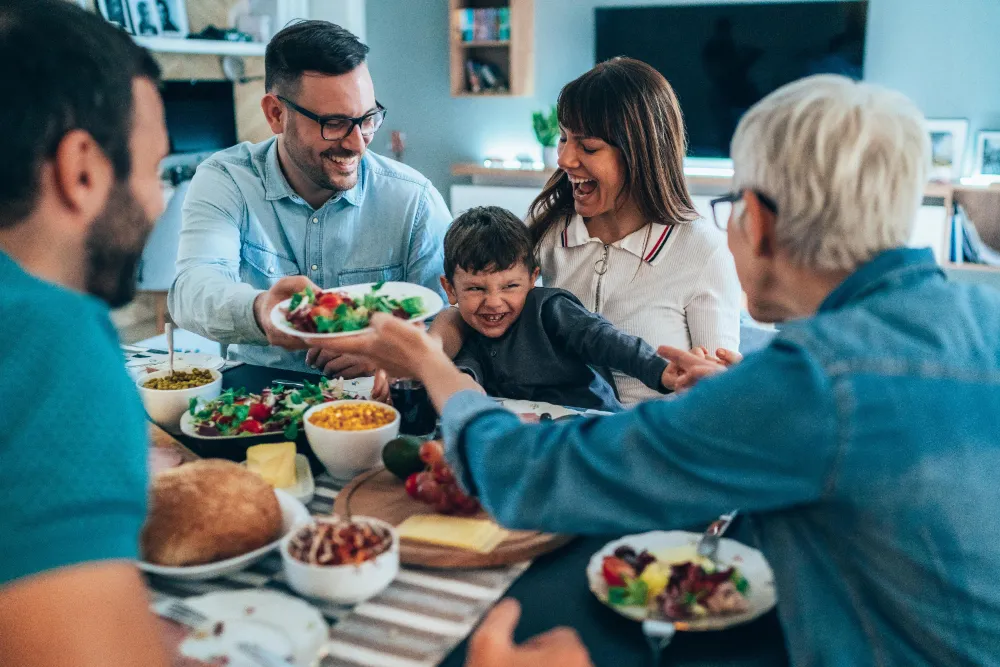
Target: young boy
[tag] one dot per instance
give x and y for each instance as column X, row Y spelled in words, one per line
column 527, row 342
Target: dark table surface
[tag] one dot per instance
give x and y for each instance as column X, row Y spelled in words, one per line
column 554, row 591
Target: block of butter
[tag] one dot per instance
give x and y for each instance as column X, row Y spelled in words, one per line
column 476, row 535
column 274, row 462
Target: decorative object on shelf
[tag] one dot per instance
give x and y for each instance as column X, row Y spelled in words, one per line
column 145, row 18
column 988, row 156
column 117, row 12
column 398, row 145
column 173, row 17
column 948, row 139
column 235, row 69
column 546, row 126
column 484, row 78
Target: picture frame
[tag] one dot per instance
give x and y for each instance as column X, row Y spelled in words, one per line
column 117, row 12
column 948, row 141
column 145, row 18
column 173, row 17
column 987, row 165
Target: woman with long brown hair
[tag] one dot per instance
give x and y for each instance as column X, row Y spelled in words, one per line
column 615, row 225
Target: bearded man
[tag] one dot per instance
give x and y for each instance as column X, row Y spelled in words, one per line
column 310, row 206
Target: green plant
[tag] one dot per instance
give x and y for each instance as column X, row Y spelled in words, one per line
column 546, row 127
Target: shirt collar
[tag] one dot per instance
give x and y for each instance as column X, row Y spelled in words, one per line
column 646, row 243
column 887, row 269
column 276, row 186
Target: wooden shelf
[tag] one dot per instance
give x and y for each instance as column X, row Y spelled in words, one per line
column 201, row 46
column 513, row 59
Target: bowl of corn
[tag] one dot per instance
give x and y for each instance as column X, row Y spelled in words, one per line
column 348, row 436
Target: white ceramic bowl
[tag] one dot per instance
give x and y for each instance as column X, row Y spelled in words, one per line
column 343, row 584
column 165, row 406
column 347, row 454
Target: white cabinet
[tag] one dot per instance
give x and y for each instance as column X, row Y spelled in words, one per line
column 515, row 199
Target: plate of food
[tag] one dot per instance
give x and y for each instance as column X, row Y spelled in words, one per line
column 211, row 518
column 237, row 413
column 280, row 624
column 659, row 575
column 347, row 311
column 533, row 411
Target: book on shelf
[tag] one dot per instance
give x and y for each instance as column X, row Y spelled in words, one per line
column 484, row 25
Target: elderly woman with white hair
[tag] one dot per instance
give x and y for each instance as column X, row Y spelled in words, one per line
column 863, row 442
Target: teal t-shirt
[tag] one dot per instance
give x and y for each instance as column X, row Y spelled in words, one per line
column 73, row 439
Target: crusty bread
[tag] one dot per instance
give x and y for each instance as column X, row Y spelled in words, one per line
column 206, row 511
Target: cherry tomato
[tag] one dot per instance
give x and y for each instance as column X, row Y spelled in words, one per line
column 411, row 486
column 615, row 570
column 329, row 300
column 260, row 412
column 431, row 452
column 321, row 311
column 251, row 426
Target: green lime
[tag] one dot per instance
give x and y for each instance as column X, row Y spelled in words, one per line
column 402, row 456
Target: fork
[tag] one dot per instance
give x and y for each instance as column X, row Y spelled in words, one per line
column 183, row 613
column 708, row 545
column 261, row 656
column 658, row 635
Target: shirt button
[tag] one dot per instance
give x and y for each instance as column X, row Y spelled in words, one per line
column 271, row 270
column 315, row 267
column 493, row 353
column 315, row 220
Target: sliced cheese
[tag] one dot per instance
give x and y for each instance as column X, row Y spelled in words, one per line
column 274, row 462
column 476, row 535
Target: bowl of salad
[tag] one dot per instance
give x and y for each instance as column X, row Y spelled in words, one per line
column 659, row 575
column 347, row 311
column 276, row 410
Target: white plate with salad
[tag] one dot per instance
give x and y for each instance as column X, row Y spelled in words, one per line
column 659, row 575
column 347, row 311
column 278, row 409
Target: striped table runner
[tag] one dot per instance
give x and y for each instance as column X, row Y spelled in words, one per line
column 416, row 622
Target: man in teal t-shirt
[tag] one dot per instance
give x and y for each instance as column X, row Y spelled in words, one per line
column 79, row 189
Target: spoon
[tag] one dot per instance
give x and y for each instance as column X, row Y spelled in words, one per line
column 170, row 346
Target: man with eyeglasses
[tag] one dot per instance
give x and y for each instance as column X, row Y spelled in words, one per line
column 308, row 207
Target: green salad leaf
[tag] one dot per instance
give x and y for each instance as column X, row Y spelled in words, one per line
column 413, row 305
column 634, row 592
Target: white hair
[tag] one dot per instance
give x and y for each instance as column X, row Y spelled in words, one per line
column 845, row 162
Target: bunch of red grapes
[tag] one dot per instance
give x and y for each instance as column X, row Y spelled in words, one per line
column 436, row 486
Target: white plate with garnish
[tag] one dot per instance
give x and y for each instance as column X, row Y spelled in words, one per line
column 419, row 303
column 280, row 624
column 675, row 547
column 539, row 408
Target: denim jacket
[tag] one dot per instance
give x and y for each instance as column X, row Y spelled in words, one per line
column 245, row 228
column 863, row 444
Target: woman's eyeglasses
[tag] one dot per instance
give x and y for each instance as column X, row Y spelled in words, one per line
column 722, row 207
column 335, row 128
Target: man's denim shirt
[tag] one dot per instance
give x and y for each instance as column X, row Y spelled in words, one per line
column 245, row 228
column 863, row 443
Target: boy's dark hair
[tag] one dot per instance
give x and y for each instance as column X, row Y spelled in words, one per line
column 66, row 69
column 487, row 238
column 310, row 46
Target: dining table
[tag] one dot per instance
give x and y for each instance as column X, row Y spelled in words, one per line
column 552, row 589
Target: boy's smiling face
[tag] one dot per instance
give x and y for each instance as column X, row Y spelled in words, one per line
column 490, row 301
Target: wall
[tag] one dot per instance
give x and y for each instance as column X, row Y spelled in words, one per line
column 945, row 54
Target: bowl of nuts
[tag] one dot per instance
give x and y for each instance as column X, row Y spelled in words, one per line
column 167, row 395
column 348, row 436
column 345, row 561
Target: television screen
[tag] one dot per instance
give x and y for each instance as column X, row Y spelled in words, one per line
column 722, row 58
column 201, row 115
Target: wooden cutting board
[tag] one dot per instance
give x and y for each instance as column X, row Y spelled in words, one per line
column 380, row 494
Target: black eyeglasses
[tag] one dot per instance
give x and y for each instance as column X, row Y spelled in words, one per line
column 722, row 208
column 335, row 128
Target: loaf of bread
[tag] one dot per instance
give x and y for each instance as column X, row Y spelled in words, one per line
column 207, row 511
